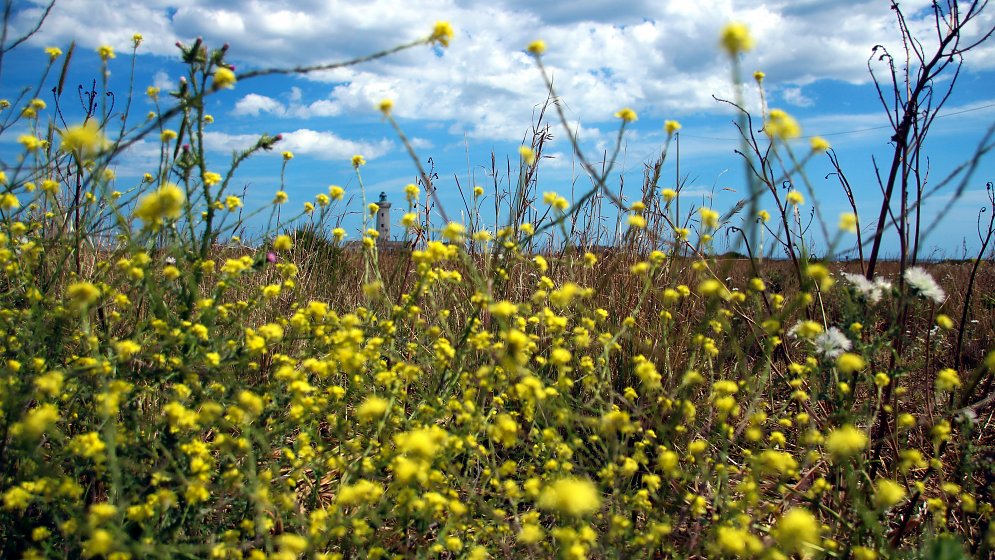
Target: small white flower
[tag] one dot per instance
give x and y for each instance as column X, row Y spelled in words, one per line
column 832, row 343
column 923, row 284
column 872, row 291
column 882, row 284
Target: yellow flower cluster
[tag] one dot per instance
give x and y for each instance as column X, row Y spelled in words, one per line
column 166, row 202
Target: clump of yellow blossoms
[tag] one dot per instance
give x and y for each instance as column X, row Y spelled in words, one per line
column 164, row 203
column 574, row 497
column 735, row 38
column 782, row 126
column 845, row 442
column 224, row 78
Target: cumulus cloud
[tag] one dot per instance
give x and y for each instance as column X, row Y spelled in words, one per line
column 162, row 81
column 661, row 57
column 254, row 104
column 794, row 96
column 421, row 143
column 321, row 145
column 329, row 146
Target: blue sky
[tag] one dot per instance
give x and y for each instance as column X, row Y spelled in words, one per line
column 478, row 97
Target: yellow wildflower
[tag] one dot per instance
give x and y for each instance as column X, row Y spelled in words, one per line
column 781, row 125
column 819, row 144
column 442, row 33
column 864, row 553
column 100, row 542
column 947, row 380
column 211, row 178
column 39, row 420
column 735, row 38
column 846, row 442
column 626, row 114
column 294, row 545
column 776, row 462
column 30, row 142
column 738, row 542
column 421, row 442
column 797, row 529
column 86, row 139
column 504, row 430
column 224, row 78
column 887, row 493
column 16, row 498
column 283, row 243
column 363, row 491
column 849, row 362
column 106, row 52
column 709, row 217
column 8, row 201
column 944, row 322
column 530, row 534
column 453, row 232
column 848, row 222
column 165, row 203
column 575, row 497
column 82, row 294
column 528, row 156
column 373, row 408
column 126, row 349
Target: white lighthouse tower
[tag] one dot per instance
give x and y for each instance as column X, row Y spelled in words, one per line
column 383, row 219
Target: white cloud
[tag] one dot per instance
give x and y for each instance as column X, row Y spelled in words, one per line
column 140, row 157
column 224, row 142
column 329, row 146
column 794, row 96
column 253, row 104
column 321, row 145
column 162, row 81
column 697, row 191
column 557, row 160
column 660, row 57
column 421, row 143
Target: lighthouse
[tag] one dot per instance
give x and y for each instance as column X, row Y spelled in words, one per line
column 383, row 219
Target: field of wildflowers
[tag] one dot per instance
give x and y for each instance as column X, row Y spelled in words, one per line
column 168, row 392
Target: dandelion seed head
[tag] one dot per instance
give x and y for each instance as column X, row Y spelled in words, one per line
column 923, row 284
column 831, row 343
